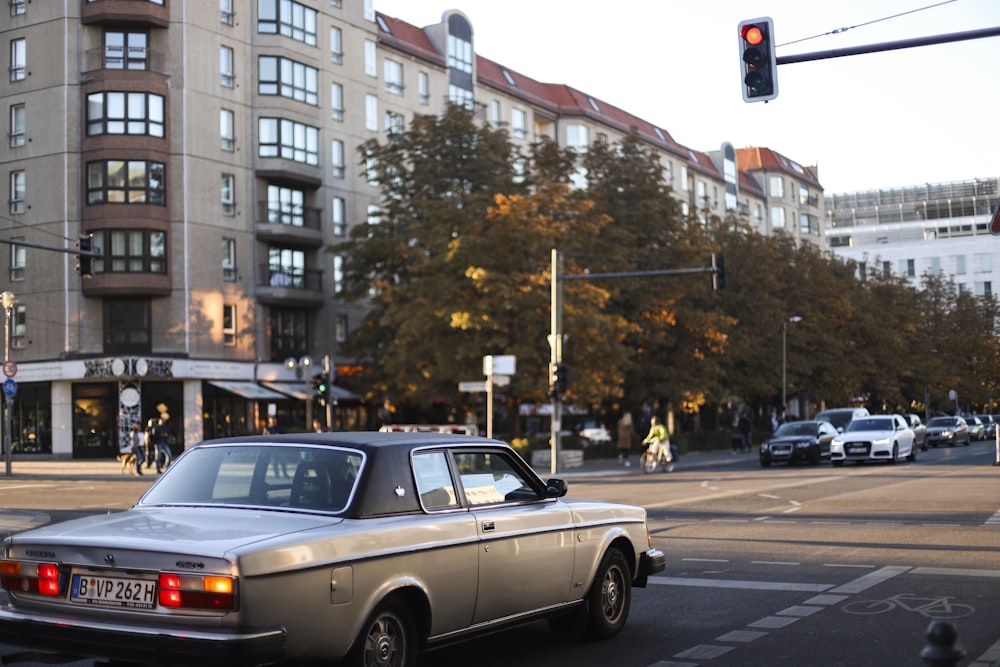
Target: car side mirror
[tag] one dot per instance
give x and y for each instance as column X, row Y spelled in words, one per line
column 556, row 488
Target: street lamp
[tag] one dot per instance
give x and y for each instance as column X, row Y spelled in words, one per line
column 7, row 300
column 784, row 359
column 301, row 367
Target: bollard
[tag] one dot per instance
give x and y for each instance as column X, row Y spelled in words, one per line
column 940, row 650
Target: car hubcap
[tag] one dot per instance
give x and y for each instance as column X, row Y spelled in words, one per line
column 611, row 597
column 382, row 644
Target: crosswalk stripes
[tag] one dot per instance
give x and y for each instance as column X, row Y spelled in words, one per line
column 993, row 520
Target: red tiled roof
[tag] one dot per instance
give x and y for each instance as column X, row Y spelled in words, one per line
column 758, row 158
column 409, row 38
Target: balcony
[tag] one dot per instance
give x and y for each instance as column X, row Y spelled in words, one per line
column 301, row 227
column 147, row 13
column 127, row 284
column 289, row 286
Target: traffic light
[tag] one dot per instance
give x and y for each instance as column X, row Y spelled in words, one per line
column 321, row 386
column 719, row 273
column 758, row 63
column 561, row 379
column 85, row 265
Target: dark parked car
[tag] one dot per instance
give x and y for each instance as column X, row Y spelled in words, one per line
column 805, row 441
column 950, row 431
column 919, row 429
column 324, row 547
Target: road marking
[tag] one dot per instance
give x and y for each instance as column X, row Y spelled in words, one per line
column 704, row 652
column 956, row 572
column 772, row 562
column 707, row 560
column 768, row 495
column 773, row 622
column 867, row 567
column 791, row 509
column 866, row 581
column 740, row 584
column 741, row 636
column 993, row 520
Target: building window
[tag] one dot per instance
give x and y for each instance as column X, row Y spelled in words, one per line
column 229, row 325
column 288, row 78
column 126, row 182
column 285, row 206
column 229, row 260
column 287, row 18
column 960, row 265
column 777, row 218
column 393, row 74
column 394, row 122
column 337, row 101
column 286, row 267
column 369, row 10
column 336, row 45
column 578, row 138
column 371, row 113
column 287, row 333
column 461, row 96
column 227, row 192
column 130, row 251
column 803, row 194
column 16, row 133
column 340, row 328
column 18, row 261
column 16, row 7
column 338, row 215
column 337, row 158
column 227, row 130
column 289, row 140
column 495, row 117
column 19, row 326
column 127, row 326
column 338, row 274
column 886, row 269
column 983, row 262
column 17, row 188
column 226, row 13
column 519, row 123
column 227, row 71
column 125, row 50
column 125, row 113
column 908, row 268
column 18, row 56
column 776, row 187
column 684, row 178
column 370, row 61
column 808, row 224
column 424, row 88
column 459, row 54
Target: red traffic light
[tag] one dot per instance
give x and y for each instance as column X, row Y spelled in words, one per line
column 759, row 64
column 752, row 34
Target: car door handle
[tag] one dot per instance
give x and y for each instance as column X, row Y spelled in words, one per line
column 489, row 526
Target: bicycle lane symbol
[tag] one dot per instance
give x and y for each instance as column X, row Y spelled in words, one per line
column 940, row 607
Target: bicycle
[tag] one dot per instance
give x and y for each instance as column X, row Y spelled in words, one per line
column 656, row 455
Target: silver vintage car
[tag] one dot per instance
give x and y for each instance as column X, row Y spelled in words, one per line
column 363, row 547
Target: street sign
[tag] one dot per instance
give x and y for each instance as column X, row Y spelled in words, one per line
column 472, row 387
column 9, row 368
column 9, row 388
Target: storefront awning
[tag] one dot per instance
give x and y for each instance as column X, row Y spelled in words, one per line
column 249, row 390
column 298, row 391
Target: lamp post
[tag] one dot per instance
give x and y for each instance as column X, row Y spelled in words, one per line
column 784, row 359
column 301, row 367
column 7, row 300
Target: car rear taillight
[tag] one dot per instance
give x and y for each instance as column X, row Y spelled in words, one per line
column 197, row 591
column 30, row 577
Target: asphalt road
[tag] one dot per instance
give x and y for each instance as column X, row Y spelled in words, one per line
column 805, row 565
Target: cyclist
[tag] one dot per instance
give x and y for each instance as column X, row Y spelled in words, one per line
column 657, row 447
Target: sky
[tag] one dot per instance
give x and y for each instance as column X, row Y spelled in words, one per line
column 928, row 114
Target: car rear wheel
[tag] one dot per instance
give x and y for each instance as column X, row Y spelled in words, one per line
column 912, row 456
column 610, row 596
column 387, row 639
column 895, row 453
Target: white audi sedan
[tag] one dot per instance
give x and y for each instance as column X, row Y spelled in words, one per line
column 874, row 438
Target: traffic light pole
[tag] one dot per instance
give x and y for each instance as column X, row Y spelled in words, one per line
column 890, row 46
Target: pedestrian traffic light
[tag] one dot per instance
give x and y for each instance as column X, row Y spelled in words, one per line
column 719, row 271
column 758, row 63
column 85, row 261
column 321, row 386
column 562, row 379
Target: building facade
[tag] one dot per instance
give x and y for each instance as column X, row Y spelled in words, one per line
column 207, row 153
column 933, row 228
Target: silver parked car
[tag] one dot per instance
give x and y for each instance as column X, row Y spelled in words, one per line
column 364, row 547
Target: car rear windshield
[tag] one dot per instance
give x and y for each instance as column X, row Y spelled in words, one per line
column 279, row 476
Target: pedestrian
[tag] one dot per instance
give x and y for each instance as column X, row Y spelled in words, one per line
column 278, row 462
column 161, row 437
column 626, row 434
column 735, row 435
column 137, row 441
column 746, row 427
column 774, row 420
column 658, row 440
column 318, row 426
column 150, row 442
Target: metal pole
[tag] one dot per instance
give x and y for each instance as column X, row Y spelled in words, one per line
column 489, row 405
column 784, row 366
column 555, row 357
column 8, row 401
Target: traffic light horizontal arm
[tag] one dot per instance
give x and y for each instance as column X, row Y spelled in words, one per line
column 890, row 46
column 636, row 274
column 43, row 246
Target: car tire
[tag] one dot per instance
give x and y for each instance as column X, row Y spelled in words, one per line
column 837, row 463
column 895, row 453
column 387, row 639
column 610, row 596
column 912, row 457
column 765, row 464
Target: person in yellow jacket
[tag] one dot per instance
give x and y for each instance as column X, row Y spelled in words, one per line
column 658, row 440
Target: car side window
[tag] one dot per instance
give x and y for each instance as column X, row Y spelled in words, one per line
column 433, row 478
column 489, row 478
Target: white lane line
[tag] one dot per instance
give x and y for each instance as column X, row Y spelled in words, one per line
column 956, row 572
column 866, row 581
column 993, row 520
column 799, row 610
column 706, row 560
column 762, row 518
column 826, row 599
column 773, row 622
column 768, row 495
column 704, row 652
column 740, row 584
column 772, row 562
column 741, row 636
column 866, row 567
column 791, row 509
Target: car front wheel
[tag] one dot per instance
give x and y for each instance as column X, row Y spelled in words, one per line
column 387, row 639
column 610, row 596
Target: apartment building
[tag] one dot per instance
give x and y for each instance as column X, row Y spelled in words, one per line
column 207, row 151
column 936, row 228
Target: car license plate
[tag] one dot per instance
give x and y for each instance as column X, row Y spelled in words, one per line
column 856, row 449
column 113, row 591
